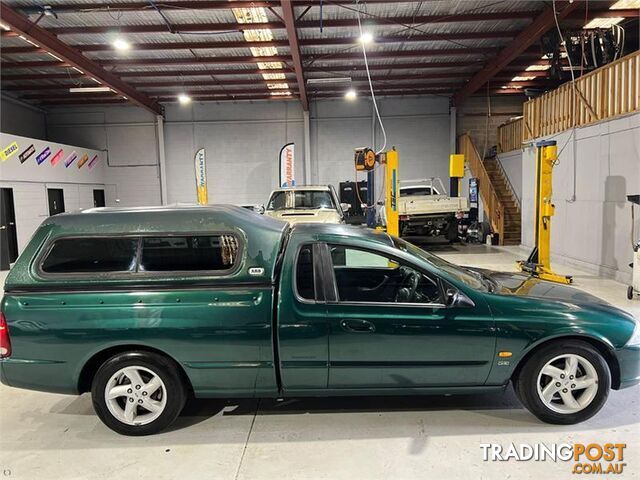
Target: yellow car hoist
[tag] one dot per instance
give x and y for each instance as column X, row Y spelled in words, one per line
column 365, row 160
column 539, row 262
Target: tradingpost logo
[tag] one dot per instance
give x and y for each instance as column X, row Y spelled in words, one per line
column 592, row 458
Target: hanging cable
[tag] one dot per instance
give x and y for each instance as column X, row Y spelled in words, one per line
column 373, row 95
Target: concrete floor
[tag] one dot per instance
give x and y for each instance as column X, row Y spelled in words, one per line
column 45, row 436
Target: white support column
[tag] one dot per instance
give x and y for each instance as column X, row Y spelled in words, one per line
column 161, row 159
column 307, row 148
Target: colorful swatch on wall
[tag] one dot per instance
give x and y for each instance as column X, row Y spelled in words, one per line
column 83, row 160
column 70, row 159
column 24, row 156
column 9, row 150
column 93, row 162
column 43, row 155
column 57, row 157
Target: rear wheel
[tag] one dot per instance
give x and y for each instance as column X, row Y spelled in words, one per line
column 138, row 393
column 564, row 382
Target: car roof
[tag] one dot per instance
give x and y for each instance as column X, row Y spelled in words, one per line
column 340, row 230
column 303, row 188
column 173, row 218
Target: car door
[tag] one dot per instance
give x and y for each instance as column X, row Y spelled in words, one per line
column 301, row 319
column 383, row 336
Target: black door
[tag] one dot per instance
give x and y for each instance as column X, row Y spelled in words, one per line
column 56, row 200
column 98, row 198
column 8, row 237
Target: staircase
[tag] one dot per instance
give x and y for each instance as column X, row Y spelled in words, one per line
column 501, row 207
column 512, row 215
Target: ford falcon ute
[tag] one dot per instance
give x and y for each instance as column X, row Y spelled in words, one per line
column 146, row 307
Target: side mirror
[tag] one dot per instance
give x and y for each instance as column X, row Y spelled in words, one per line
column 345, row 207
column 260, row 209
column 454, row 298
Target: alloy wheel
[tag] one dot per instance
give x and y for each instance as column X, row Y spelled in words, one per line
column 135, row 395
column 567, row 383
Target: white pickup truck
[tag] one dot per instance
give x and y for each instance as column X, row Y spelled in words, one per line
column 426, row 210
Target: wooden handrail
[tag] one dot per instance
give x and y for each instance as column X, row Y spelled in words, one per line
column 607, row 92
column 493, row 207
column 510, row 135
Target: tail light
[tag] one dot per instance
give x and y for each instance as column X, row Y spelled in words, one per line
column 5, row 343
column 405, row 217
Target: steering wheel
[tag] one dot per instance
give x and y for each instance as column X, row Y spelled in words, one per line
column 407, row 292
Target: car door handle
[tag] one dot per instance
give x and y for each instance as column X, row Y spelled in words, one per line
column 358, row 326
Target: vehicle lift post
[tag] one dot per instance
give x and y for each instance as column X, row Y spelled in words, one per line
column 539, row 262
column 392, row 193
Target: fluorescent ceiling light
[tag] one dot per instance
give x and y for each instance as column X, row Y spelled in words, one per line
column 602, row 22
column 623, row 4
column 274, row 76
column 121, row 45
column 351, row 94
column 366, row 38
column 275, row 86
column 280, row 94
column 546, row 57
column 89, row 89
column 259, row 15
column 537, row 68
column 318, row 81
column 184, row 99
column 519, row 78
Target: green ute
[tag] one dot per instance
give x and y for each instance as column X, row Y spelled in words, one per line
column 144, row 307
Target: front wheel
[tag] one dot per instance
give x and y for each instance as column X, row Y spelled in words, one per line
column 564, row 382
column 138, row 393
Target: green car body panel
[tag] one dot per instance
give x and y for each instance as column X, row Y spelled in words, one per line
column 248, row 333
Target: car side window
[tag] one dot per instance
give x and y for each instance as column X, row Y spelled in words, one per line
column 188, row 253
column 91, row 255
column 305, row 278
column 371, row 277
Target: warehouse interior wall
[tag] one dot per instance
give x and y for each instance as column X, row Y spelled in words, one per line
column 598, row 167
column 127, row 134
column 243, row 140
column 480, row 117
column 512, row 166
column 18, row 118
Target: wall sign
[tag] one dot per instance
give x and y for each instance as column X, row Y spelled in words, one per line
column 24, row 156
column 93, row 162
column 287, row 166
column 83, row 160
column 43, row 155
column 201, row 177
column 9, row 150
column 57, row 157
column 69, row 160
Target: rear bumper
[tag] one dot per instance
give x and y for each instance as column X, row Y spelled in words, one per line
column 629, row 362
column 42, row 375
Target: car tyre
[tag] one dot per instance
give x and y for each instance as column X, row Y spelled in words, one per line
column 138, row 393
column 547, row 389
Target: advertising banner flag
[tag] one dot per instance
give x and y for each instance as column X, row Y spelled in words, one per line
column 287, row 166
column 201, row 177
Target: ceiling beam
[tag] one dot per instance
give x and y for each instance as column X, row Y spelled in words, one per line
column 309, row 42
column 53, row 45
column 527, row 37
column 292, row 35
column 327, row 23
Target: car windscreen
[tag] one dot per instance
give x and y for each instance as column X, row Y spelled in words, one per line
column 301, row 199
column 468, row 277
column 415, row 191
